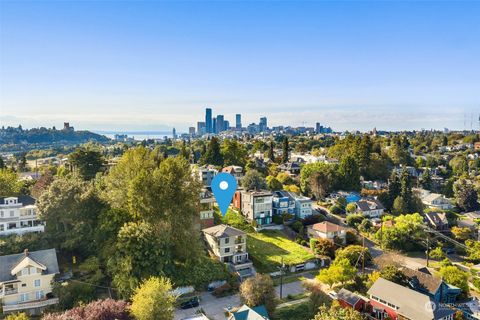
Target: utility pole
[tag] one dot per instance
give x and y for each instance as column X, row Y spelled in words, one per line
column 428, row 251
column 363, row 255
column 281, row 279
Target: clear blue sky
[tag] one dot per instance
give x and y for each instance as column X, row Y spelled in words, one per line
column 151, row 65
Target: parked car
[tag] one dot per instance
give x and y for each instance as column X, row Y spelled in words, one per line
column 333, row 295
column 192, row 303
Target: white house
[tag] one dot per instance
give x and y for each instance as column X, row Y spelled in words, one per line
column 327, row 230
column 369, row 207
column 26, row 281
column 436, row 201
column 18, row 215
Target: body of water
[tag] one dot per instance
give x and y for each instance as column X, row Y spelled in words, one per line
column 138, row 135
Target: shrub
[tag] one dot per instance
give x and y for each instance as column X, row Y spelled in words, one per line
column 297, row 226
column 96, row 310
column 335, row 209
column 277, row 219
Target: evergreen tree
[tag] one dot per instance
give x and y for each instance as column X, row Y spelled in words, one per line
column 406, row 191
column 2, row 163
column 271, row 154
column 285, row 153
column 426, row 179
column 213, row 155
column 393, row 190
column 349, row 173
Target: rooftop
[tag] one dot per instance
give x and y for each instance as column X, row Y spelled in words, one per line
column 223, row 231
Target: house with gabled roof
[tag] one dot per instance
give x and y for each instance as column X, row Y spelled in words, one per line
column 346, row 298
column 247, row 313
column 229, row 245
column 434, row 287
column 370, row 207
column 328, row 230
column 26, row 281
column 392, row 300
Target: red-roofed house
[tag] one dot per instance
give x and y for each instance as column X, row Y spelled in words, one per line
column 327, row 230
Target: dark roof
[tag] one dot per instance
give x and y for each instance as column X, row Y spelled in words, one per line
column 46, row 257
column 422, row 280
column 369, row 204
column 436, row 218
column 348, row 296
column 25, row 200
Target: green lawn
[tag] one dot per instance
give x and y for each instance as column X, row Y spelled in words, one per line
column 266, row 249
column 300, row 311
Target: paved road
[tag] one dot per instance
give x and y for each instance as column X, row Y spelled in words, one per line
column 214, row 307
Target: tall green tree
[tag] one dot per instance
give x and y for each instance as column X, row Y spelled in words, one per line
column 70, row 208
column 86, row 162
column 349, row 173
column 253, row 180
column 271, row 152
column 285, row 150
column 213, row 154
column 234, row 153
column 465, row 195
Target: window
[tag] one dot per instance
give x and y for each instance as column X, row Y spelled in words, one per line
column 227, row 250
column 12, row 213
column 24, row 284
column 25, row 272
column 24, row 297
column 227, row 240
column 37, row 282
column 39, row 295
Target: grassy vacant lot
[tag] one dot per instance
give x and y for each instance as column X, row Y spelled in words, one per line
column 266, row 249
column 300, row 311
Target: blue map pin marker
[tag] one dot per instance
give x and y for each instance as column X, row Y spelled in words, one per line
column 223, row 187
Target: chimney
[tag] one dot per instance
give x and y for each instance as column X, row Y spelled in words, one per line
column 26, row 252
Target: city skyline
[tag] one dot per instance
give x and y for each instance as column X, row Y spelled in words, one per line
column 156, row 65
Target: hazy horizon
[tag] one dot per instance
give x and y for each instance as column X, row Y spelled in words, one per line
column 131, row 66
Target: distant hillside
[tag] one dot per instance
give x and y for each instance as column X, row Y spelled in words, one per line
column 19, row 136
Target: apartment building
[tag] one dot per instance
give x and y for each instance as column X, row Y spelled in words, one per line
column 206, row 209
column 257, row 206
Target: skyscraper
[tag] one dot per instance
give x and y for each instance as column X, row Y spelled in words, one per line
column 201, row 128
column 263, row 124
column 208, row 120
column 318, row 128
column 214, row 126
column 220, row 123
column 238, row 121
column 174, row 133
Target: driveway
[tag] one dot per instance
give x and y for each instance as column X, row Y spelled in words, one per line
column 214, row 308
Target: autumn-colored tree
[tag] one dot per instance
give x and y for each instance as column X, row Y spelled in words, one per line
column 153, row 300
column 259, row 290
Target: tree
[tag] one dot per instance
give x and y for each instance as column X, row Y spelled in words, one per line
column 42, row 184
column 2, row 163
column 17, row 316
column 336, row 312
column 285, row 150
column 316, row 295
column 473, row 250
column 349, row 173
column 153, row 301
column 96, row 310
column 271, row 153
column 353, row 220
column 339, row 271
column 355, row 254
column 460, row 233
column 322, row 247
column 320, row 183
column 86, row 162
column 141, row 251
column 426, row 180
column 273, row 184
column 393, row 190
column 253, row 180
column 456, row 277
column 406, row 191
column 213, row 154
column 9, row 185
column 234, row 153
column 437, row 254
column 392, row 273
column 70, row 207
column 466, row 195
column 259, row 290
column 351, row 207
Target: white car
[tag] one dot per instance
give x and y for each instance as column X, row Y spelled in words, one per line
column 333, row 295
